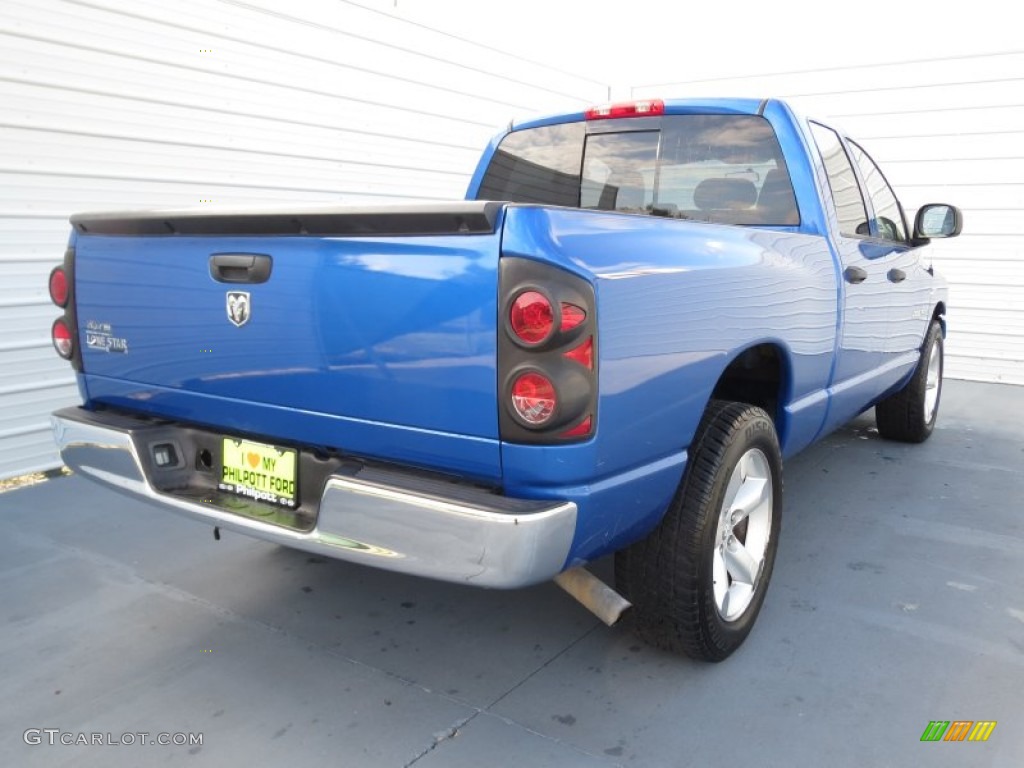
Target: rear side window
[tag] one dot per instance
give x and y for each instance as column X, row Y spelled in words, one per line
column 720, row 168
column 539, row 165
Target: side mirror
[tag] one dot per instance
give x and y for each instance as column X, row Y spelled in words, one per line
column 937, row 220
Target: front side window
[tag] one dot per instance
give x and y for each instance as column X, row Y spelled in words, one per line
column 719, row 168
column 888, row 213
column 853, row 216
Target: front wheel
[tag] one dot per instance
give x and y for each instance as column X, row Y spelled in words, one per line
column 909, row 415
column 698, row 580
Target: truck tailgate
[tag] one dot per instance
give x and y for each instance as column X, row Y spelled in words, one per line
column 374, row 333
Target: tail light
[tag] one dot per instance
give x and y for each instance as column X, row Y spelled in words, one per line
column 63, row 342
column 546, row 354
column 583, row 354
column 59, row 287
column 64, row 331
column 532, row 317
column 533, row 398
column 572, row 316
column 583, row 429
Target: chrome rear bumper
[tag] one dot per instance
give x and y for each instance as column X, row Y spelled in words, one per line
column 384, row 518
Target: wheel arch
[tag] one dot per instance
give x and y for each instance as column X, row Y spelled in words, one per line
column 939, row 315
column 761, row 375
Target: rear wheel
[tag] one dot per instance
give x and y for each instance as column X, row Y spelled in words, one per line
column 698, row 580
column 909, row 415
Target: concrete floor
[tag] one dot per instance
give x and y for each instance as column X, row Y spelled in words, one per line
column 898, row 598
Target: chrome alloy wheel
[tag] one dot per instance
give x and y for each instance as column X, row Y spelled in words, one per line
column 932, row 381
column 744, row 528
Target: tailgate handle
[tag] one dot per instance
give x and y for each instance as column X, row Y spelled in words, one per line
column 240, row 267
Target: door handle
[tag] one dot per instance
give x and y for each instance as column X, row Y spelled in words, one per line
column 240, row 267
column 896, row 275
column 855, row 274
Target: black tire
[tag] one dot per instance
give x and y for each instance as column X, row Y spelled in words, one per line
column 906, row 415
column 669, row 576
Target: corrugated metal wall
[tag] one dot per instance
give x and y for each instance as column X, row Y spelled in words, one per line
column 140, row 103
column 943, row 130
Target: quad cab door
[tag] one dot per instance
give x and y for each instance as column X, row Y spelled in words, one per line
column 876, row 260
column 908, row 276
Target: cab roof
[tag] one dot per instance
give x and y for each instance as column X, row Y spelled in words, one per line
column 720, row 106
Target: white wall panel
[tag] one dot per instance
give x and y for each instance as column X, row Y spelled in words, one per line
column 943, row 130
column 114, row 104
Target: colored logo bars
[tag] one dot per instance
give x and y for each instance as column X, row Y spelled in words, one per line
column 958, row 730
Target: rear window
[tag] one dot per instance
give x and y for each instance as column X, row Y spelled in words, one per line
column 726, row 169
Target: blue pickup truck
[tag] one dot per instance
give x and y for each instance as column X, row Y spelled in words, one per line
column 609, row 347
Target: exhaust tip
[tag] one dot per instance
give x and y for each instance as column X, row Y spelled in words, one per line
column 596, row 596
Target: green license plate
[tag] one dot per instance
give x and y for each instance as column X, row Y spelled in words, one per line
column 260, row 472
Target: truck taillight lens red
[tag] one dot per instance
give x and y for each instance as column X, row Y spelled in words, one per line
column 62, row 293
column 571, row 316
column 582, row 429
column 547, row 354
column 534, row 398
column 532, row 317
column 59, row 287
column 62, row 339
column 583, row 354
